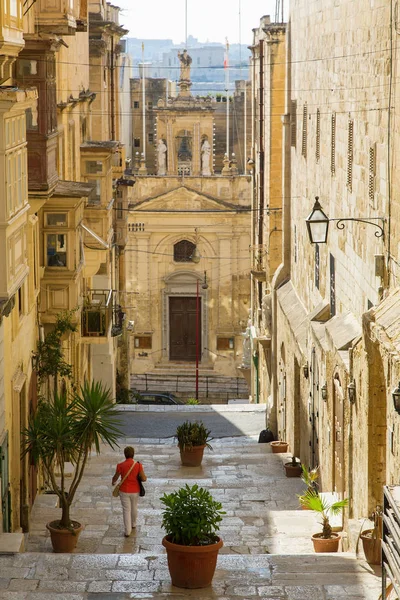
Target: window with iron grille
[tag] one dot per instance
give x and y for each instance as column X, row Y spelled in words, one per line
column 136, row 104
column 350, row 155
column 371, row 173
column 318, row 136
column 304, row 133
column 333, row 144
column 293, row 123
column 183, row 251
column 136, row 143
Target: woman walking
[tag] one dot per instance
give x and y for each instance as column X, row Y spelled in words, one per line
column 129, row 471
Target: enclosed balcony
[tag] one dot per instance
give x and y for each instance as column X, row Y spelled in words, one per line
column 58, row 16
column 102, row 317
column 11, row 36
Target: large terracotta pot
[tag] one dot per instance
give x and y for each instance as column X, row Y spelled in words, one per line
column 279, row 447
column 192, row 457
column 64, row 540
column 372, row 547
column 293, row 471
column 326, row 545
column 191, row 567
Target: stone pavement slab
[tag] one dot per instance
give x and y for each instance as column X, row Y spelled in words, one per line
column 111, row 577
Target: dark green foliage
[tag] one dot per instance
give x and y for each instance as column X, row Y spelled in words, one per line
column 191, row 434
column 66, row 431
column 191, row 516
column 50, row 358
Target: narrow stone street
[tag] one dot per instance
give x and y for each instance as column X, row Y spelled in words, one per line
column 267, row 550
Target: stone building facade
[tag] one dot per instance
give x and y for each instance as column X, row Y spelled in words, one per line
column 268, row 100
column 335, row 361
column 189, row 230
column 63, row 242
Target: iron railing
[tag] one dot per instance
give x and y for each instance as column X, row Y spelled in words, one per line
column 209, row 385
column 391, row 539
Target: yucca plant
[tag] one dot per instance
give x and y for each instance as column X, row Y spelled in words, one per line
column 66, row 430
column 314, row 501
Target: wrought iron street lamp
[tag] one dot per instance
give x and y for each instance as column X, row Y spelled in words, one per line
column 396, row 398
column 318, row 223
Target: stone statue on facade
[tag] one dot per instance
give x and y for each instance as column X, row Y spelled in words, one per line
column 185, row 61
column 246, row 358
column 205, row 157
column 161, row 157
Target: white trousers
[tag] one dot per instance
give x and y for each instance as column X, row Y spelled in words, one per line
column 129, row 504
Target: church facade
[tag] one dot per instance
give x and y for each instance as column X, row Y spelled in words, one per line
column 188, row 256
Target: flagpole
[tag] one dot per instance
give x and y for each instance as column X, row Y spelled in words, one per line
column 144, row 105
column 226, row 64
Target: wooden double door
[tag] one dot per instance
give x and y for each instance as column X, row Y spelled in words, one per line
column 183, row 312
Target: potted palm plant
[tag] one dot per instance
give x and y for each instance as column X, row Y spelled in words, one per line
column 372, row 538
column 326, row 541
column 191, row 518
column 63, row 430
column 192, row 438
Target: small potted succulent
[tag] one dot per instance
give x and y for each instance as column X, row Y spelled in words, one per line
column 293, row 468
column 372, row 538
column 191, row 519
column 192, row 438
column 326, row 541
column 279, row 447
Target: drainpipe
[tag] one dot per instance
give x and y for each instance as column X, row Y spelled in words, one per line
column 283, row 272
column 112, row 85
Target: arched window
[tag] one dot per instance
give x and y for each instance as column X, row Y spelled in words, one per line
column 183, row 251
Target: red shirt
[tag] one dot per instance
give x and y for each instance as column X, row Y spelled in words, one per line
column 131, row 484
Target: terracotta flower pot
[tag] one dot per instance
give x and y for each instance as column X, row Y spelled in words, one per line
column 192, row 457
column 279, row 447
column 293, row 471
column 192, row 567
column 326, row 545
column 372, row 547
column 64, row 540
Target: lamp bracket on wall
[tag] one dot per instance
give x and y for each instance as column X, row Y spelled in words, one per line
column 370, row 221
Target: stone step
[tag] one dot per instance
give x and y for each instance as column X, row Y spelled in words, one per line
column 12, row 543
column 122, row 576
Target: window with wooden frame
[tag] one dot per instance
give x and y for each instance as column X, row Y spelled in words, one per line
column 143, row 342
column 293, row 123
column 333, row 144
column 183, row 251
column 225, row 343
column 350, row 140
column 304, row 132
column 371, row 173
column 318, row 136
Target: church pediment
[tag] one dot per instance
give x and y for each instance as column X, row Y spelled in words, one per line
column 187, row 199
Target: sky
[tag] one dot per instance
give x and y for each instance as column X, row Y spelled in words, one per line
column 212, row 20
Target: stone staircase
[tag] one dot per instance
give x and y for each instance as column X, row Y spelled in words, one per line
column 267, row 550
